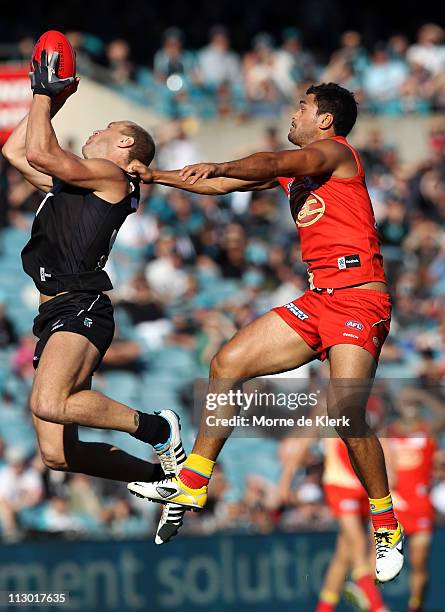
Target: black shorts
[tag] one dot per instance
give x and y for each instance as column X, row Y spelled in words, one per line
column 80, row 312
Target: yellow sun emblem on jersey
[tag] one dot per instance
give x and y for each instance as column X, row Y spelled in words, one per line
column 311, row 211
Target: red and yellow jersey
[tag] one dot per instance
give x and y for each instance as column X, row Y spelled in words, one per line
column 336, row 225
column 337, row 467
column 412, row 457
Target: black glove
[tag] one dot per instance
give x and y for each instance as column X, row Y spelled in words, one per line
column 44, row 79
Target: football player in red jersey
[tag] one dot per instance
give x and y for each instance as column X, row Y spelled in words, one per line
column 410, row 454
column 348, row 503
column 343, row 317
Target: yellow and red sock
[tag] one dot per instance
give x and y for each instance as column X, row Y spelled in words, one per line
column 415, row 604
column 382, row 513
column 196, row 471
column 328, row 601
column 366, row 583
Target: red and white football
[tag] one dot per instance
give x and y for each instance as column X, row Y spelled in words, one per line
column 56, row 41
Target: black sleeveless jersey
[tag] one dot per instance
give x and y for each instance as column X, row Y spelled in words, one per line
column 71, row 237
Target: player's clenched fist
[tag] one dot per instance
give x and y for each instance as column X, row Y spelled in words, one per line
column 199, row 171
column 141, row 171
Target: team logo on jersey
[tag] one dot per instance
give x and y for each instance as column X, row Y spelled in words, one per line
column 44, row 275
column 355, row 325
column 311, row 211
column 88, row 322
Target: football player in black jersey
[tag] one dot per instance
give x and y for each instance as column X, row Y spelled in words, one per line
column 87, row 201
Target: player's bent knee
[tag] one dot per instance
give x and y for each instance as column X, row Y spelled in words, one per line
column 228, row 364
column 48, row 410
column 53, row 460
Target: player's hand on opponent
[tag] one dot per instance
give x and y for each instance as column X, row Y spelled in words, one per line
column 195, row 172
column 140, row 171
column 44, row 79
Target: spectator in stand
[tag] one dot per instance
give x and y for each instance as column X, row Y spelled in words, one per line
column 90, row 52
column 176, row 148
column 383, row 81
column 171, row 58
column 263, row 87
column 293, row 64
column 351, row 53
column 20, row 488
column 217, row 62
column 165, row 274
column 118, row 56
column 429, row 50
column 57, row 518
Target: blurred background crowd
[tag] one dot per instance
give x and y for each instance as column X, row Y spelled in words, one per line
column 390, row 76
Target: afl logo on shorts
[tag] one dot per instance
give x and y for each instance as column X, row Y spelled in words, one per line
column 355, row 325
column 311, row 211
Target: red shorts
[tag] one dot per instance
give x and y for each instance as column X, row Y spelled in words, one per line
column 345, row 500
column 418, row 517
column 345, row 316
column 415, row 523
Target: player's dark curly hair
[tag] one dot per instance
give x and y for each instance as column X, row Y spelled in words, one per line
column 331, row 98
column 144, row 146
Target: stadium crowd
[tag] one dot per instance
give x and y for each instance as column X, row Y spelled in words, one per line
column 188, row 271
column 389, row 77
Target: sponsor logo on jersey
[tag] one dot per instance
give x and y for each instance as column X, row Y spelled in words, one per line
column 88, row 322
column 311, row 211
column 296, row 311
column 349, row 261
column 350, row 335
column 355, row 325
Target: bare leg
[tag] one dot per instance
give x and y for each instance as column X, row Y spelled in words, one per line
column 266, row 346
column 357, row 541
column 352, row 370
column 338, row 567
column 419, row 548
column 59, row 443
column 62, row 450
column 68, row 360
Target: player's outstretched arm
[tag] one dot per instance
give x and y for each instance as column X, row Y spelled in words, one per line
column 315, row 159
column 212, row 186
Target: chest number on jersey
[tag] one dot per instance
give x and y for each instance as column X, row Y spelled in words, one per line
column 311, row 211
